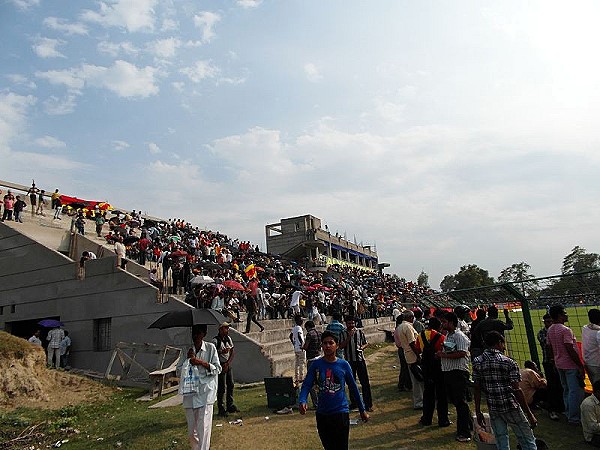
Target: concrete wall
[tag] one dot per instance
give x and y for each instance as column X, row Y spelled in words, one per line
column 37, row 282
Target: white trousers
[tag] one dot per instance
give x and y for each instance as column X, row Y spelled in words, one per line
column 54, row 353
column 199, row 422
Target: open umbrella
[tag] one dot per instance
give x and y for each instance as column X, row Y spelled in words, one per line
column 130, row 240
column 232, row 284
column 188, row 318
column 50, row 323
column 178, row 253
column 201, row 279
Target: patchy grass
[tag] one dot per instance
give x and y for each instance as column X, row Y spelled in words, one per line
column 122, row 422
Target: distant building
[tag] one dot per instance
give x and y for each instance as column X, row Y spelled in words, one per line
column 302, row 238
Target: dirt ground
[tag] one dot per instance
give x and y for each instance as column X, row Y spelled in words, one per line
column 26, row 382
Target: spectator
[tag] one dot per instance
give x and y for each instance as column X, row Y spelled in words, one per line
column 32, row 193
column 590, row 336
column 430, row 342
column 337, row 327
column 55, row 337
column 18, row 208
column 533, row 384
column 332, row 374
column 9, row 202
column 354, row 354
column 297, row 338
column 455, row 368
column 41, row 203
column 408, row 338
column 590, row 416
column 312, row 346
column 492, row 323
column 199, row 406
column 154, row 281
column 120, row 251
column 35, row 338
column 568, row 362
column 404, row 383
column 226, row 352
column 65, row 351
column 554, row 399
column 498, row 377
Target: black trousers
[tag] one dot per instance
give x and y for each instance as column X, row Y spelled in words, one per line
column 359, row 369
column 456, row 384
column 404, row 381
column 225, row 385
column 554, row 389
column 252, row 318
column 333, row 430
column 434, row 392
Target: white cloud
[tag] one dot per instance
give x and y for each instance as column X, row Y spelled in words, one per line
column 50, row 142
column 164, row 48
column 153, row 148
column 178, row 85
column 169, row 25
column 249, row 3
column 312, row 73
column 206, row 21
column 200, row 71
column 120, row 145
column 20, row 80
column 115, row 49
column 46, row 48
column 133, row 15
column 69, row 28
column 25, row 4
column 390, row 111
column 229, row 80
column 122, row 78
column 55, row 106
column 13, row 115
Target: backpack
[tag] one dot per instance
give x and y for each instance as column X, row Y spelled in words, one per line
column 429, row 363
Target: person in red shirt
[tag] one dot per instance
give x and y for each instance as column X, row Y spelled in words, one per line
column 428, row 343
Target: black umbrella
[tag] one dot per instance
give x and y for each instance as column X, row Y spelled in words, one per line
column 130, row 240
column 209, row 265
column 188, row 318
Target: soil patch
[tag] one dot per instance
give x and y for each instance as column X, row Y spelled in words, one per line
column 26, row 382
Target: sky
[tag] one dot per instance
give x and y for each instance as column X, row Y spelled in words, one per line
column 444, row 133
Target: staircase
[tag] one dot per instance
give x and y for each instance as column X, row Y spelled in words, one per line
column 274, row 341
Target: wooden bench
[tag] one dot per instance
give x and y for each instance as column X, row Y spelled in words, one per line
column 164, row 381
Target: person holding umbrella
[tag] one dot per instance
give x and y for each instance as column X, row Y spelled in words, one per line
column 199, row 405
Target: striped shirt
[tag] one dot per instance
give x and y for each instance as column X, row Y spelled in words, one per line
column 496, row 373
column 352, row 351
column 456, row 342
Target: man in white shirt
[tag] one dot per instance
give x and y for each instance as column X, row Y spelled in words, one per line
column 199, row 406
column 295, row 302
column 590, row 416
column 408, row 337
column 590, row 335
column 35, row 339
column 297, row 338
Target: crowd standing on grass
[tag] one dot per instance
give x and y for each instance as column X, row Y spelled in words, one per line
column 442, row 353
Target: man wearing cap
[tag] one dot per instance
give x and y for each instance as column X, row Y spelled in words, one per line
column 224, row 345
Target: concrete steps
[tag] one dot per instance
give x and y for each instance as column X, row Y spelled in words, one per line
column 275, row 344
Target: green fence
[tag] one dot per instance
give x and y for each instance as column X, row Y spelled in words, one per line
column 527, row 302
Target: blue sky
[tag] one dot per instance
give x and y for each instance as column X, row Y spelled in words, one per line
column 448, row 133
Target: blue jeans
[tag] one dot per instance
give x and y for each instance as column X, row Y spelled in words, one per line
column 520, row 426
column 572, row 393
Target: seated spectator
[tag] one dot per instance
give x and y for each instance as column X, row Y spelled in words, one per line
column 154, row 281
column 590, row 416
column 532, row 383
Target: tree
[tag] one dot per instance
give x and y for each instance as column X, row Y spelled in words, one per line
column 423, row 279
column 519, row 273
column 448, row 283
column 580, row 261
column 468, row 276
column 472, row 276
column 516, row 272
